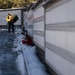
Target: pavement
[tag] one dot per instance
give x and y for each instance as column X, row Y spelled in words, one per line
column 7, row 56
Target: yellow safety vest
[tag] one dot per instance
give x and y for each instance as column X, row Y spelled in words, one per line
column 8, row 19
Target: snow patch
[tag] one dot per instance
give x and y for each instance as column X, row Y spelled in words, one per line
column 33, row 63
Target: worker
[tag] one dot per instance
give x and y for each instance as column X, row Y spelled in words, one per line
column 10, row 22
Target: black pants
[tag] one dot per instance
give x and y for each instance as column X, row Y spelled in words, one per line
column 10, row 26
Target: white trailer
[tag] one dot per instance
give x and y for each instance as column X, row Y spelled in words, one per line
column 54, row 33
column 60, row 36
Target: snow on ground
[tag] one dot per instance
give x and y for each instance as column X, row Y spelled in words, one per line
column 20, row 64
column 33, row 64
